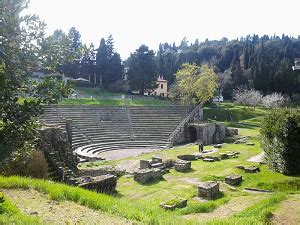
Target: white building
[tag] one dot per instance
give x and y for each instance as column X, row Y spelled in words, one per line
column 297, row 64
column 161, row 90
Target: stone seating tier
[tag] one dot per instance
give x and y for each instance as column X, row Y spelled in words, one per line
column 96, row 129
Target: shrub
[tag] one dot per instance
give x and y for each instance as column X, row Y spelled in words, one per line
column 30, row 164
column 280, row 139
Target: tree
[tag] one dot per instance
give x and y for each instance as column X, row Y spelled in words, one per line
column 273, row 100
column 20, row 54
column 142, row 70
column 247, row 97
column 195, row 84
column 109, row 67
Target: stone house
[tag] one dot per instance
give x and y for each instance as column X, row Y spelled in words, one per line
column 161, row 90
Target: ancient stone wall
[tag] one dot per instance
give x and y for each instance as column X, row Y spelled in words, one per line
column 57, row 149
column 208, row 133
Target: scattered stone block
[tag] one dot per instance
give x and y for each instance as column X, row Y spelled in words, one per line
column 104, row 183
column 252, row 169
column 173, row 203
column 223, row 156
column 144, row 164
column 147, row 175
column 250, row 143
column 208, row 160
column 182, row 165
column 158, row 165
column 240, row 167
column 198, row 155
column 215, row 158
column 232, row 131
column 156, row 159
column 233, row 179
column 186, row 157
column 168, row 163
column 206, row 151
column 208, row 190
column 218, row 146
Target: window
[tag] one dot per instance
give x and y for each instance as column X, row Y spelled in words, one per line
column 161, row 86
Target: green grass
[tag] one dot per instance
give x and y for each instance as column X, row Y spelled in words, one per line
column 10, row 214
column 116, row 102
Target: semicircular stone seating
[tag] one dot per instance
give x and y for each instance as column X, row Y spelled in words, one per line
column 98, row 129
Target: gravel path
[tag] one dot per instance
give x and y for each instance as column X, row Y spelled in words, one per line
column 257, row 158
column 124, row 153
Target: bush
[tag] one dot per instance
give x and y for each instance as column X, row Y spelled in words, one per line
column 280, row 139
column 32, row 164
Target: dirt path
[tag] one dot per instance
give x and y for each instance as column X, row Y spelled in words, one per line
column 257, row 158
column 38, row 204
column 235, row 205
column 124, row 153
column 288, row 212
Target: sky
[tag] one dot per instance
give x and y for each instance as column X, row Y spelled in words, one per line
column 150, row 22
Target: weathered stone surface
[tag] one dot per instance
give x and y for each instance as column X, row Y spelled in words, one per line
column 232, row 131
column 182, row 165
column 215, row 158
column 250, row 143
column 233, row 179
column 208, row 190
column 208, row 160
column 156, row 159
column 147, row 175
column 223, row 156
column 145, row 164
column 218, row 146
column 168, row 163
column 158, row 165
column 105, row 183
column 252, row 169
column 186, row 157
column 101, row 170
column 198, row 155
column 173, row 203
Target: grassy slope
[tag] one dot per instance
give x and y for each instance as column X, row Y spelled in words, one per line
column 107, row 98
column 144, row 199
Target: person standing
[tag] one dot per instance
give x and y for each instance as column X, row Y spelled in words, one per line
column 200, row 146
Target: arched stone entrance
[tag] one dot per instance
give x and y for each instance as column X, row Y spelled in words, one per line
column 192, row 134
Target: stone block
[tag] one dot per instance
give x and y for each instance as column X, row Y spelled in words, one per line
column 223, row 156
column 208, row 190
column 208, row 160
column 232, row 131
column 233, row 179
column 156, row 159
column 168, row 163
column 147, row 175
column 158, row 165
column 145, row 164
column 182, row 165
column 250, row 143
column 218, row 146
column 252, row 169
column 105, row 183
column 186, row 157
column 173, row 203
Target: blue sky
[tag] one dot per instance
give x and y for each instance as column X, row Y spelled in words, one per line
column 136, row 22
